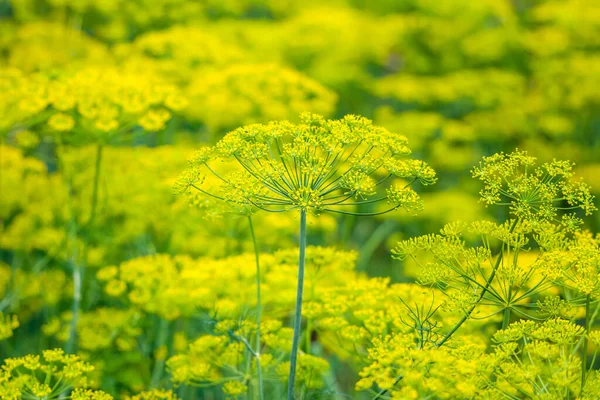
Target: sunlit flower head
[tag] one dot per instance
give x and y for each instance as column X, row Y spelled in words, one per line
column 316, row 166
column 534, row 193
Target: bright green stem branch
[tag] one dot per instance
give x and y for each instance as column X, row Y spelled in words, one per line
column 468, row 313
column 298, row 314
column 585, row 341
column 483, row 292
column 71, row 342
column 161, row 340
column 258, row 310
column 384, row 391
column 506, row 318
column 78, row 265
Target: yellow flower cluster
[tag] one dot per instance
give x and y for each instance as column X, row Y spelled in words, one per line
column 407, row 371
column 28, row 292
column 23, row 99
column 120, row 19
column 94, row 104
column 530, row 356
column 180, row 53
column 242, row 94
column 108, row 337
column 576, row 266
column 36, row 208
column 333, row 44
column 344, row 309
column 175, row 286
column 316, row 166
column 8, row 323
column 529, row 360
column 156, row 394
column 50, row 45
column 100, row 102
column 103, row 328
column 533, row 192
column 45, row 377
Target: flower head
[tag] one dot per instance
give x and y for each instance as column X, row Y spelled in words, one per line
column 534, row 193
column 318, row 165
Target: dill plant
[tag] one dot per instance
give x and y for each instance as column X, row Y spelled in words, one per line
column 214, row 208
column 46, row 377
column 539, row 248
column 316, row 166
column 99, row 106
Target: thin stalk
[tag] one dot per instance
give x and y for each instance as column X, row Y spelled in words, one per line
column 469, row 312
column 258, row 310
column 481, row 295
column 161, row 340
column 298, row 313
column 384, row 391
column 71, row 345
column 77, row 278
column 585, row 341
column 506, row 318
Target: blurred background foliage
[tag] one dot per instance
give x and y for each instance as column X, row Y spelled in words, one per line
column 147, row 81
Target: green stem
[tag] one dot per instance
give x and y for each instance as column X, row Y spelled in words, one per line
column 298, row 312
column 468, row 314
column 258, row 309
column 483, row 292
column 585, row 341
column 506, row 318
column 163, row 334
column 77, row 266
column 71, row 346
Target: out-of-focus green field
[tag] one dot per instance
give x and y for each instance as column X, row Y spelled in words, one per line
column 114, row 282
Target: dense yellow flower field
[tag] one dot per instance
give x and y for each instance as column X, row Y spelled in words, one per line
column 284, row 199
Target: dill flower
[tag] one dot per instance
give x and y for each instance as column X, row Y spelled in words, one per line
column 502, row 87
column 458, row 372
column 234, row 388
column 242, row 94
column 8, row 323
column 31, row 291
column 88, row 394
column 532, row 358
column 61, row 122
column 23, row 99
column 47, row 376
column 575, row 265
column 27, row 140
column 316, row 166
column 155, row 394
column 534, row 193
column 173, row 287
column 100, row 329
column 96, row 104
column 179, row 52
